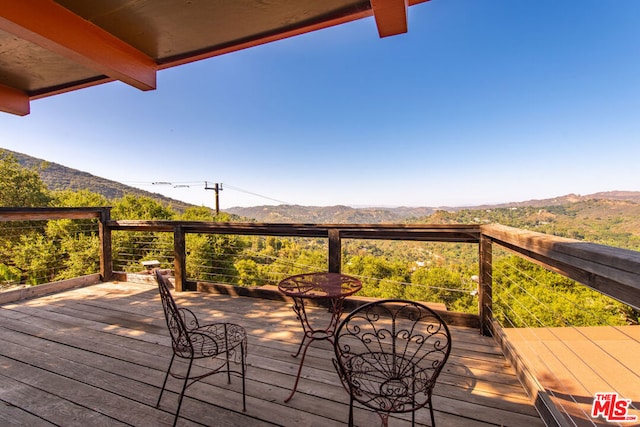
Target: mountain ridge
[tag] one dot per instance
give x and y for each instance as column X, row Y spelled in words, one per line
column 341, row 214
column 60, row 177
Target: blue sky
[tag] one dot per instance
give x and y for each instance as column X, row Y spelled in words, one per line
column 480, row 102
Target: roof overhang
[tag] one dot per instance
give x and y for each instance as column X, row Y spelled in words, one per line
column 50, row 47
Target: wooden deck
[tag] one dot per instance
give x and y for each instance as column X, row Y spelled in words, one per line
column 97, row 355
column 570, row 365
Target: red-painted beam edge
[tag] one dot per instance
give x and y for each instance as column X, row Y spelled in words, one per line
column 14, row 101
column 57, row 29
column 390, row 16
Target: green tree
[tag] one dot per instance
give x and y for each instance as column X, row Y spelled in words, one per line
column 381, row 278
column 140, row 207
column 132, row 247
column 526, row 295
column 203, row 213
column 19, row 186
column 446, row 285
column 249, row 273
column 81, row 255
column 77, row 241
column 67, row 228
column 80, row 198
column 36, row 256
column 8, row 275
column 213, row 257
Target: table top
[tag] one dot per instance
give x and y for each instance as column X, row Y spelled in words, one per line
column 320, row 285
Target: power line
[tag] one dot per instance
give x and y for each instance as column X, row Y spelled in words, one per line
column 189, row 184
column 256, row 194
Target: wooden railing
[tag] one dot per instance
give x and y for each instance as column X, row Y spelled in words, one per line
column 39, row 214
column 611, row 271
column 333, row 232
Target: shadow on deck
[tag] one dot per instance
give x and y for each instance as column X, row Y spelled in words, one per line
column 97, row 355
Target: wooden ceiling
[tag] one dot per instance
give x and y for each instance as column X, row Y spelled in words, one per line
column 49, row 47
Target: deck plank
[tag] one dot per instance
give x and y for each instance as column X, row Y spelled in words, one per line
column 572, row 364
column 98, row 355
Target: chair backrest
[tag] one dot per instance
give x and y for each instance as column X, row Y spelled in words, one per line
column 390, row 352
column 174, row 316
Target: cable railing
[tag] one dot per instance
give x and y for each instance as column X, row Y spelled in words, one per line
column 129, row 249
column 39, row 252
column 569, row 341
column 386, row 272
column 223, row 259
column 233, row 252
column 527, row 295
column 434, row 272
column 535, row 293
column 553, row 320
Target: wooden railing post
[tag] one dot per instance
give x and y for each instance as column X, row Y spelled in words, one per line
column 179, row 258
column 485, row 299
column 335, row 251
column 106, row 254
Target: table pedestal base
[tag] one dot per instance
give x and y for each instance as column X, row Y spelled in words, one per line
column 312, row 334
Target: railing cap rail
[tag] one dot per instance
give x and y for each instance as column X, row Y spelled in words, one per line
column 49, row 213
column 609, row 270
column 432, row 232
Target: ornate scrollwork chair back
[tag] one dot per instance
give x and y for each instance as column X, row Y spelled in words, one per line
column 220, row 342
column 388, row 355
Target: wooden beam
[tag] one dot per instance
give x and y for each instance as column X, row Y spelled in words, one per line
column 14, row 101
column 186, row 59
column 390, row 16
column 57, row 29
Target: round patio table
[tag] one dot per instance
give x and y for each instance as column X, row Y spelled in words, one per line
column 332, row 287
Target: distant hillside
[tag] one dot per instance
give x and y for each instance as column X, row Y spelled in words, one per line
column 615, row 213
column 58, row 177
column 631, row 196
column 349, row 215
column 610, row 222
column 328, row 214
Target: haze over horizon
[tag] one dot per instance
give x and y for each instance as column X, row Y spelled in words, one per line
column 479, row 103
column 504, row 202
column 634, row 195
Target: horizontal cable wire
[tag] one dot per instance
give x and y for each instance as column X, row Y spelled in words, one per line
column 543, row 361
column 530, row 328
column 580, row 332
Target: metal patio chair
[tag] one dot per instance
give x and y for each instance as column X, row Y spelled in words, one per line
column 388, row 354
column 220, row 342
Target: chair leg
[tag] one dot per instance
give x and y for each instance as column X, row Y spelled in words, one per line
column 243, row 363
column 430, row 403
column 350, row 410
column 184, row 387
column 226, row 352
column 164, row 383
column 413, row 394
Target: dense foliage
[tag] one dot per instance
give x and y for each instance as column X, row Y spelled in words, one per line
column 58, row 177
column 524, row 294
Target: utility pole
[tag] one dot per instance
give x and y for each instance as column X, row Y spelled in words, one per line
column 217, row 188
